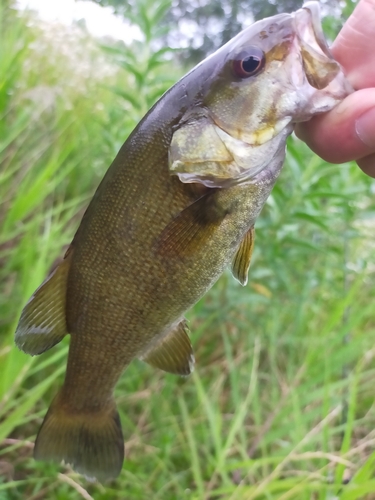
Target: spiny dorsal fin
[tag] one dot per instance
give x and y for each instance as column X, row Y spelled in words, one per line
column 42, row 323
column 173, row 353
column 242, row 258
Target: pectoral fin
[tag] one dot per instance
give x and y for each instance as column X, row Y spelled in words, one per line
column 192, row 228
column 174, row 353
column 42, row 323
column 242, row 258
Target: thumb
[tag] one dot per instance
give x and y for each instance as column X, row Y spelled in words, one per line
column 345, row 133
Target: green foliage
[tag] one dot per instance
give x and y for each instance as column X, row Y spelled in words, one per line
column 281, row 403
column 202, row 26
column 148, row 65
column 48, row 169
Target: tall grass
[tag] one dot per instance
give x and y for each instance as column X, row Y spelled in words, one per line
column 281, row 403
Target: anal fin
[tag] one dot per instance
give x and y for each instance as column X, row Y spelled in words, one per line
column 42, row 323
column 173, row 353
column 242, row 258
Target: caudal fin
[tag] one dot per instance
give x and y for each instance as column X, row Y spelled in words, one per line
column 92, row 443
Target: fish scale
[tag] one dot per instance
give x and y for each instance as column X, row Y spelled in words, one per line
column 177, row 206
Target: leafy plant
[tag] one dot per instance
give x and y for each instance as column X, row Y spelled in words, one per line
column 281, row 403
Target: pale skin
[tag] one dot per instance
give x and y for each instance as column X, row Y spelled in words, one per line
column 348, row 131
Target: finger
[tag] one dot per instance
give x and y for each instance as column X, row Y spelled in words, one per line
column 367, row 164
column 347, row 132
column 354, row 46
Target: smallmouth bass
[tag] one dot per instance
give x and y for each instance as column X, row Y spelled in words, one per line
column 176, row 207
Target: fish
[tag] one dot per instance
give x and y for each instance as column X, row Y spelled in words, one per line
column 175, row 209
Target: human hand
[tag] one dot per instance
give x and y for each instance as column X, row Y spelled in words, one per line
column 348, row 131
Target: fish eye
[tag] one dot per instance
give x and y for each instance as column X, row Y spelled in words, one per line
column 249, row 62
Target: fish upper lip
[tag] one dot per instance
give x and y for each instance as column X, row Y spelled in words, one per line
column 313, row 8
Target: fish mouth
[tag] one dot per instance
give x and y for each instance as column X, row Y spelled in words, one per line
column 310, row 28
column 318, row 63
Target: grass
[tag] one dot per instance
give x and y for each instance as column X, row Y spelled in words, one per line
column 281, row 403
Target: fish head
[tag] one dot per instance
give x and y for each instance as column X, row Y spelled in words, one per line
column 275, row 73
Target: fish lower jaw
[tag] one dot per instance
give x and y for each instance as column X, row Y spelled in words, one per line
column 252, row 159
column 322, row 101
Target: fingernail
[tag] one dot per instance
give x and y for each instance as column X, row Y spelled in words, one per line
column 365, row 128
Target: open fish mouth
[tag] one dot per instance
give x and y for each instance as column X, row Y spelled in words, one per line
column 309, row 27
column 318, row 63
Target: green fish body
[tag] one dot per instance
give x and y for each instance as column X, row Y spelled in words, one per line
column 176, row 207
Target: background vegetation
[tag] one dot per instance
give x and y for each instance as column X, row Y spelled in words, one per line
column 202, row 26
column 281, row 403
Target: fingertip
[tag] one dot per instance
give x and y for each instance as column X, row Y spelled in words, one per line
column 346, row 133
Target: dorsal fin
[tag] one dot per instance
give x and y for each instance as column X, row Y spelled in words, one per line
column 173, row 353
column 42, row 323
column 242, row 258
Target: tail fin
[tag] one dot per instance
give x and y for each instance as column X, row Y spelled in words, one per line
column 92, row 443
